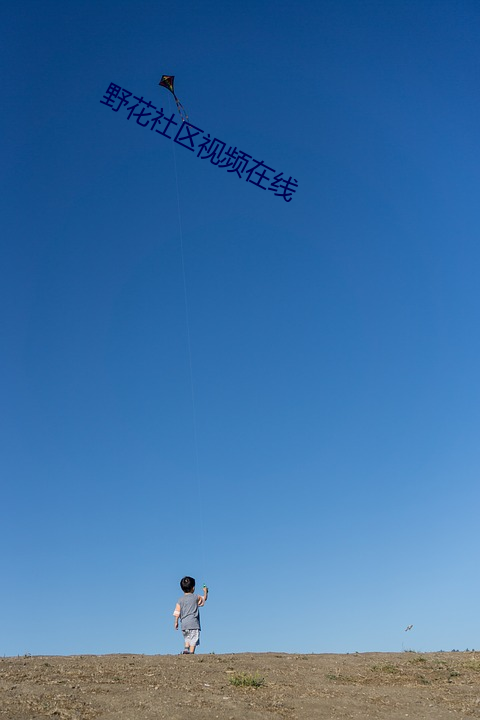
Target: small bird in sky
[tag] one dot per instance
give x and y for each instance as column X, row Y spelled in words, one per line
column 409, row 627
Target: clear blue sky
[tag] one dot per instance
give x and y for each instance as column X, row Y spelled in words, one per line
column 334, row 339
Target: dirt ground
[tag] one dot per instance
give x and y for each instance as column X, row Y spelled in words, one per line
column 436, row 686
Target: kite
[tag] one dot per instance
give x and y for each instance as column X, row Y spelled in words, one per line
column 408, row 628
column 167, row 82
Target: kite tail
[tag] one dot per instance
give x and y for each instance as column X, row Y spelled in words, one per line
column 181, row 109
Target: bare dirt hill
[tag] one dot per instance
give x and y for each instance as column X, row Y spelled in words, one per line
column 437, row 686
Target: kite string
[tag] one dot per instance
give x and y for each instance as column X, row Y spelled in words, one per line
column 189, row 350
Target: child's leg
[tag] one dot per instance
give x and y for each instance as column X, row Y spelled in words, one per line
column 192, row 638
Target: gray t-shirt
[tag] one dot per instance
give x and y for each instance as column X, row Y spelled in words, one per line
column 189, row 613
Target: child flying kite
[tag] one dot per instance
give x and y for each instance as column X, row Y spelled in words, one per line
column 186, row 610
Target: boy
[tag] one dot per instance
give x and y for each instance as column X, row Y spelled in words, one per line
column 187, row 610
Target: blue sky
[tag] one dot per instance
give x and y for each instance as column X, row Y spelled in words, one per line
column 302, row 432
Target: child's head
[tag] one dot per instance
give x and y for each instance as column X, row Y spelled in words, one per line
column 187, row 584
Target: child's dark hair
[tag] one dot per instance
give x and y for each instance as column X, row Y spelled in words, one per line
column 187, row 584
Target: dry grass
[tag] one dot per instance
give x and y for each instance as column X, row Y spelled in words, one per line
column 374, row 686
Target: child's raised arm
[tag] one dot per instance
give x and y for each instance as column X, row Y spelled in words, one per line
column 203, row 599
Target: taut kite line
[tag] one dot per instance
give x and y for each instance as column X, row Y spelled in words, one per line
column 167, row 82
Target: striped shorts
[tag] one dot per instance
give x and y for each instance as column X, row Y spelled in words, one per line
column 191, row 637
